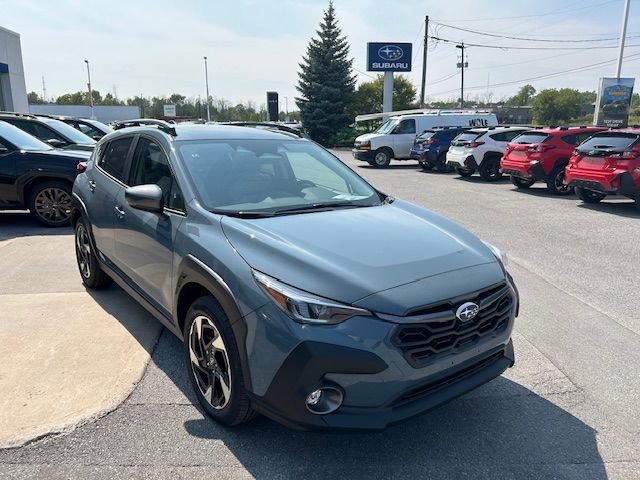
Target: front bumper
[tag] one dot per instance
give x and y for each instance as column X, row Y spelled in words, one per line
column 613, row 183
column 283, row 406
column 364, row 155
column 382, row 378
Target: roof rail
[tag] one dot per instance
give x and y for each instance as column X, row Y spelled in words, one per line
column 17, row 114
column 161, row 125
column 274, row 126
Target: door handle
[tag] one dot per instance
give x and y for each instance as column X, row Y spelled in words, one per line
column 92, row 186
column 119, row 211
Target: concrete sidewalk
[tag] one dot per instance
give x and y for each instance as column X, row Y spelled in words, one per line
column 67, row 355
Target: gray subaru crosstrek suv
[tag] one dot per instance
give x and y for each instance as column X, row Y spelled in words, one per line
column 300, row 291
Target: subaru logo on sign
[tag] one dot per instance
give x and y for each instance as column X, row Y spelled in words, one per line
column 467, row 311
column 390, row 52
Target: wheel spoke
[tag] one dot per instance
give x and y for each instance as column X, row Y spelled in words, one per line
column 225, row 387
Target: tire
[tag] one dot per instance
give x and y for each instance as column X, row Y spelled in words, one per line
column 213, row 363
column 50, row 203
column 522, row 182
column 426, row 166
column 92, row 275
column 381, row 158
column 490, row 169
column 589, row 196
column 556, row 185
column 442, row 166
column 463, row 172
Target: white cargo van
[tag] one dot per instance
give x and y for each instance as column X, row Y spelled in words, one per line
column 395, row 137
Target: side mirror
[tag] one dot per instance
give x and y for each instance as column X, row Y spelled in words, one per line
column 54, row 142
column 145, row 197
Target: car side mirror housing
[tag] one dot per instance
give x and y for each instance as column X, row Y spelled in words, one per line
column 145, row 197
column 54, row 142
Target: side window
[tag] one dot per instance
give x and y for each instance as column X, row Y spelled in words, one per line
column 114, row 157
column 4, row 147
column 150, row 165
column 581, row 137
column 28, row 127
column 45, row 133
column 87, row 130
column 499, row 137
column 408, row 125
column 570, row 139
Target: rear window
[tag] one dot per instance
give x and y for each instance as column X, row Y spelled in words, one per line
column 426, row 135
column 467, row 137
column 609, row 141
column 530, row 137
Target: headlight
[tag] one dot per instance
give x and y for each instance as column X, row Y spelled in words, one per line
column 499, row 254
column 304, row 307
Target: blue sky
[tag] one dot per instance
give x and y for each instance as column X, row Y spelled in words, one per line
column 157, row 47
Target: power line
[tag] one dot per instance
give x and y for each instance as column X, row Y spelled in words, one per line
column 515, row 47
column 545, row 76
column 496, row 35
column 554, row 12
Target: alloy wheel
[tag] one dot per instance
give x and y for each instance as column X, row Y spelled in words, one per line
column 83, row 251
column 559, row 183
column 53, row 204
column 210, row 362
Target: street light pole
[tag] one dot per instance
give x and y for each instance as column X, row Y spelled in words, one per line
column 90, row 90
column 424, row 60
column 623, row 34
column 206, row 80
column 462, row 65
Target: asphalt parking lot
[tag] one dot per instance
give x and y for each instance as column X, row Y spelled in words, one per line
column 570, row 408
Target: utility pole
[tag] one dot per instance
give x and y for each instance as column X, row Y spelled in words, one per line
column 424, row 60
column 44, row 91
column 623, row 34
column 90, row 89
column 206, row 81
column 462, row 64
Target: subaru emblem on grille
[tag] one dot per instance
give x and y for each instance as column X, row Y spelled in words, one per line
column 467, row 311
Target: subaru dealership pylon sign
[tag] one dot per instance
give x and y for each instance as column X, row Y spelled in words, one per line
column 614, row 102
column 388, row 57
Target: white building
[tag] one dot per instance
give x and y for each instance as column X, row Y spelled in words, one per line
column 13, row 90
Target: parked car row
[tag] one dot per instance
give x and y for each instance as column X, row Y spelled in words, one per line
column 592, row 161
column 39, row 155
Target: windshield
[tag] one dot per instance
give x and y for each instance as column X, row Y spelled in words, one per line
column 530, row 137
column 21, row 139
column 466, row 137
column 271, row 176
column 387, row 126
column 68, row 131
column 608, row 141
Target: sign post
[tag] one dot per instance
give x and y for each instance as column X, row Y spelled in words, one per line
column 388, row 58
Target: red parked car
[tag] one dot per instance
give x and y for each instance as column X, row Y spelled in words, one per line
column 607, row 164
column 542, row 155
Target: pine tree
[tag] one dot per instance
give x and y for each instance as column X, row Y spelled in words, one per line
column 326, row 82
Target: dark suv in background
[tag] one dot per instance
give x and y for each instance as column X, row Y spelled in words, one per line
column 542, row 154
column 91, row 128
column 431, row 146
column 54, row 132
column 36, row 176
column 254, row 248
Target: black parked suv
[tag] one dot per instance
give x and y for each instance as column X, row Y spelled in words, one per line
column 36, row 176
column 91, row 128
column 54, row 132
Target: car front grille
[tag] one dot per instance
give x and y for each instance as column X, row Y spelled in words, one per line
column 440, row 333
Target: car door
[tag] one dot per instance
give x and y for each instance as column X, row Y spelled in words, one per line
column 105, row 184
column 403, row 137
column 8, row 174
column 144, row 241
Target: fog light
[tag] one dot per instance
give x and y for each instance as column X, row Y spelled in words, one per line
column 324, row 400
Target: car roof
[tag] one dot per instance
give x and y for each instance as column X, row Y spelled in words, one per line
column 212, row 132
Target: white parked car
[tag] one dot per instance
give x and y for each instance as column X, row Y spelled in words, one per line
column 395, row 137
column 480, row 150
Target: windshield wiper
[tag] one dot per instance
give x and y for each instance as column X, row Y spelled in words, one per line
column 319, row 206
column 244, row 214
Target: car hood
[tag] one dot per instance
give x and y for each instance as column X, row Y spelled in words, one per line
column 368, row 136
column 353, row 255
